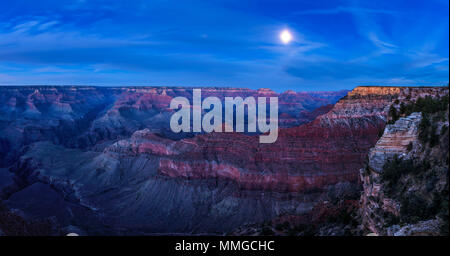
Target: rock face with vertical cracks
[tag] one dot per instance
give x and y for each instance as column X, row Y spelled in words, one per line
column 405, row 180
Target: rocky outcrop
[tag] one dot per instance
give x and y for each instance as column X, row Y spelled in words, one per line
column 422, row 228
column 395, row 141
column 405, row 182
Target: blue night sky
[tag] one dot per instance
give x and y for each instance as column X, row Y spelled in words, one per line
column 235, row 43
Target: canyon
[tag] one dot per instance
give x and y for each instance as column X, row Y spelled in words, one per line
column 103, row 160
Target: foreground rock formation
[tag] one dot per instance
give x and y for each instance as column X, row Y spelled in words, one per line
column 405, row 183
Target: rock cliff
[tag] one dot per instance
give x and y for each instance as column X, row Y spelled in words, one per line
column 405, row 182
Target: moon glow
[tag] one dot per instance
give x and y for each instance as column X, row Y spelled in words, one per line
column 285, row 36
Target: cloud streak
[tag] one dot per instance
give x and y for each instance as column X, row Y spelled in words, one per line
column 345, row 9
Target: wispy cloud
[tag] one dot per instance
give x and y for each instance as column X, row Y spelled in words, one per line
column 384, row 47
column 345, row 9
column 47, row 25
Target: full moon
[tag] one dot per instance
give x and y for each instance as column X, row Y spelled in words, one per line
column 285, row 36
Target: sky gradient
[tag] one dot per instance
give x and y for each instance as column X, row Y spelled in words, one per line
column 235, row 43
